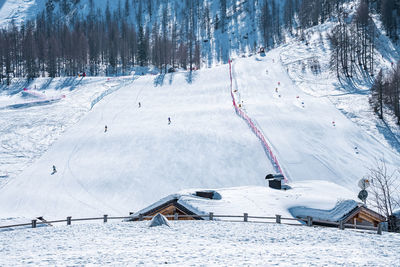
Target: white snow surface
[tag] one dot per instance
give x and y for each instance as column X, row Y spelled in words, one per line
column 19, row 10
column 305, row 140
column 194, row 243
column 141, row 158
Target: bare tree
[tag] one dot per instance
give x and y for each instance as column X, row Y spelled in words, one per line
column 385, row 191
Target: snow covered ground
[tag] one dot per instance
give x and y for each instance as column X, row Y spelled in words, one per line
column 29, row 124
column 141, row 158
column 311, row 138
column 194, row 243
column 19, row 10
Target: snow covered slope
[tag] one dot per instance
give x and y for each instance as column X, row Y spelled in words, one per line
column 141, row 158
column 29, row 125
column 19, row 10
column 311, row 138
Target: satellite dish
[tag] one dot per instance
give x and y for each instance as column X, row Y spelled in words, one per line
column 364, row 183
column 363, row 195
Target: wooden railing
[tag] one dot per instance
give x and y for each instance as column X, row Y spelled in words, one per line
column 278, row 219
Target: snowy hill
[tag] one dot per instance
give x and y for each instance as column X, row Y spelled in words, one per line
column 141, row 158
column 317, row 128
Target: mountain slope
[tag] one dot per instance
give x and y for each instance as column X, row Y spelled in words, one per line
column 141, row 158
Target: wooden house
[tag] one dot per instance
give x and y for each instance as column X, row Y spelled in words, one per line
column 169, row 207
column 362, row 215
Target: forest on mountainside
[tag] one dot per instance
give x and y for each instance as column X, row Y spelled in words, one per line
column 187, row 34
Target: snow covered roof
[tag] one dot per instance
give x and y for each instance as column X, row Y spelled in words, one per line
column 337, row 213
column 314, row 198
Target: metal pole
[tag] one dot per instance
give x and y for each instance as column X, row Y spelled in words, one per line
column 309, row 221
column 379, row 229
column 278, row 218
column 341, row 225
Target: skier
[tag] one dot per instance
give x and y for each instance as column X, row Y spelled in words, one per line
column 276, row 89
column 140, row 105
column 333, row 123
column 54, row 170
column 169, row 120
column 105, row 128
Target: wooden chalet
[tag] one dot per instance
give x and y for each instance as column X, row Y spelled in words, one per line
column 169, row 207
column 362, row 215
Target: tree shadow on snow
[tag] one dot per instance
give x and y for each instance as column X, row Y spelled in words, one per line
column 71, row 82
column 351, row 85
column 171, row 78
column 190, row 76
column 46, row 84
column 159, row 80
column 16, row 86
column 387, row 133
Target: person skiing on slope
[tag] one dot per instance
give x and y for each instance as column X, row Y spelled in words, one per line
column 139, row 105
column 54, row 170
column 169, row 120
column 105, row 128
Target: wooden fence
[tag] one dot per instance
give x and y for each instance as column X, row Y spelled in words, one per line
column 278, row 219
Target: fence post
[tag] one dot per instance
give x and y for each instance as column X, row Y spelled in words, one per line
column 176, row 216
column 341, row 225
column 105, row 218
column 33, row 223
column 278, row 218
column 69, row 220
column 211, row 216
column 379, row 229
column 309, row 221
column 245, row 217
column 140, row 217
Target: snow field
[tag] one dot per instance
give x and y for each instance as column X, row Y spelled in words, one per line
column 194, row 243
column 314, row 142
column 141, row 158
column 27, row 132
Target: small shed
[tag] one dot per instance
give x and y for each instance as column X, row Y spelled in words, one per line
column 275, row 180
column 361, row 215
column 169, row 207
column 347, row 211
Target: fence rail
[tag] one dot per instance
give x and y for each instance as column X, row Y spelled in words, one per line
column 210, row 216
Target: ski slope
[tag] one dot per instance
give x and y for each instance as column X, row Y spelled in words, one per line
column 141, row 158
column 310, row 137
